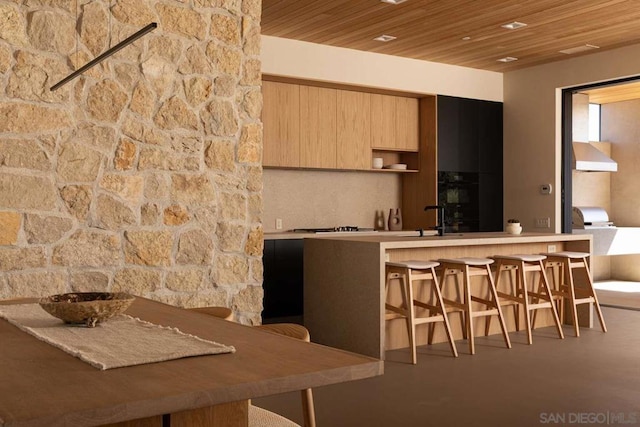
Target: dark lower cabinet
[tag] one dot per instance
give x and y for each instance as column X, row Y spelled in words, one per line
column 470, row 164
column 283, row 279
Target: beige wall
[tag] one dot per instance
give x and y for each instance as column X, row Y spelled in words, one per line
column 144, row 175
column 313, row 199
column 286, row 193
column 532, row 127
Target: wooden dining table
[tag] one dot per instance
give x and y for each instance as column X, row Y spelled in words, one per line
column 41, row 385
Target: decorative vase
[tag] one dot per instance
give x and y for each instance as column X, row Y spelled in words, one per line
column 379, row 221
column 395, row 220
column 513, row 228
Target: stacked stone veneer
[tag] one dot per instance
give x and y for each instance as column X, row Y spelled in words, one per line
column 144, row 174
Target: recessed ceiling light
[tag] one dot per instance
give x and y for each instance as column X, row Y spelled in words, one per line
column 514, row 25
column 579, row 49
column 393, row 1
column 507, row 59
column 385, row 38
column 467, row 38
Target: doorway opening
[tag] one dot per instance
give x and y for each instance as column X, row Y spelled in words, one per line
column 616, row 282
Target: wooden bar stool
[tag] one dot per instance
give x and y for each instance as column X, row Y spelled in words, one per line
column 406, row 273
column 520, row 294
column 566, row 288
column 469, row 267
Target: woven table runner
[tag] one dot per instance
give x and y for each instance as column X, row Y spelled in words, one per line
column 121, row 341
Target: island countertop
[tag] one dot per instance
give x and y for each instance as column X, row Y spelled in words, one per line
column 454, row 239
column 344, row 280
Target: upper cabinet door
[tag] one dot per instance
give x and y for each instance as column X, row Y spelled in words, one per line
column 318, row 116
column 394, row 123
column 408, row 123
column 383, row 121
column 354, row 130
column 281, row 121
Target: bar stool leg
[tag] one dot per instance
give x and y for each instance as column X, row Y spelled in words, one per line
column 411, row 325
column 407, row 299
column 443, row 278
column 432, row 296
column 557, row 273
column 514, row 290
column 523, row 287
column 593, row 294
column 544, row 283
column 572, row 295
column 468, row 314
column 503, row 325
column 440, row 303
column 514, row 285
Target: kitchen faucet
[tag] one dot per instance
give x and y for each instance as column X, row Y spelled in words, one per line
column 440, row 226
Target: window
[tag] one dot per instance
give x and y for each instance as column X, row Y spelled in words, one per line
column 594, row 122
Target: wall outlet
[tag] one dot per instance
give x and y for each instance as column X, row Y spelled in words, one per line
column 543, row 222
column 387, row 258
column 551, row 248
column 278, row 223
column 546, row 189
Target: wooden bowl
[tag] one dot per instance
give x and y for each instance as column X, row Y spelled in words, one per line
column 88, row 308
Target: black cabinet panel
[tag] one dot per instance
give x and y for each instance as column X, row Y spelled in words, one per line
column 469, row 135
column 490, row 202
column 283, row 278
column 470, row 163
column 489, row 137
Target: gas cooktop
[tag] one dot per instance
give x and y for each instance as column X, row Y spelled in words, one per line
column 342, row 228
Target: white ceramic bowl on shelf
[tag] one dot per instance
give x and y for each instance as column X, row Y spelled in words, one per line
column 398, row 166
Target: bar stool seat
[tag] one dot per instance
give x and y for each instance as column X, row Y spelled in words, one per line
column 467, row 261
column 468, row 267
column 408, row 272
column 520, row 293
column 566, row 289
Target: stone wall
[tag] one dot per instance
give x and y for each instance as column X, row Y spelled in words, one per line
column 144, row 174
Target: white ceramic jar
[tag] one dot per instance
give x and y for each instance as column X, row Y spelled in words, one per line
column 377, row 163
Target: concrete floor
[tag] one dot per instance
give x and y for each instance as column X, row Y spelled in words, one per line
column 591, row 380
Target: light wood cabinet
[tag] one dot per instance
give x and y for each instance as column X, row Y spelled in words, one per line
column 407, row 123
column 394, row 123
column 332, row 128
column 281, row 124
column 353, row 130
column 318, row 116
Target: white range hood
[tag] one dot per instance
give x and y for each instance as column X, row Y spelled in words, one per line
column 588, row 158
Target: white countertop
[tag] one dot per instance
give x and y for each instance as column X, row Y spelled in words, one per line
column 613, row 240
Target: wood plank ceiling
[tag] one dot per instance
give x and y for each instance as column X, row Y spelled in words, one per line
column 433, row 30
column 618, row 93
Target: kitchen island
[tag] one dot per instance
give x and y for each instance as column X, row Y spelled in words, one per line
column 344, row 282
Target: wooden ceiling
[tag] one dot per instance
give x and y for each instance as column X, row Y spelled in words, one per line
column 433, row 30
column 618, row 93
